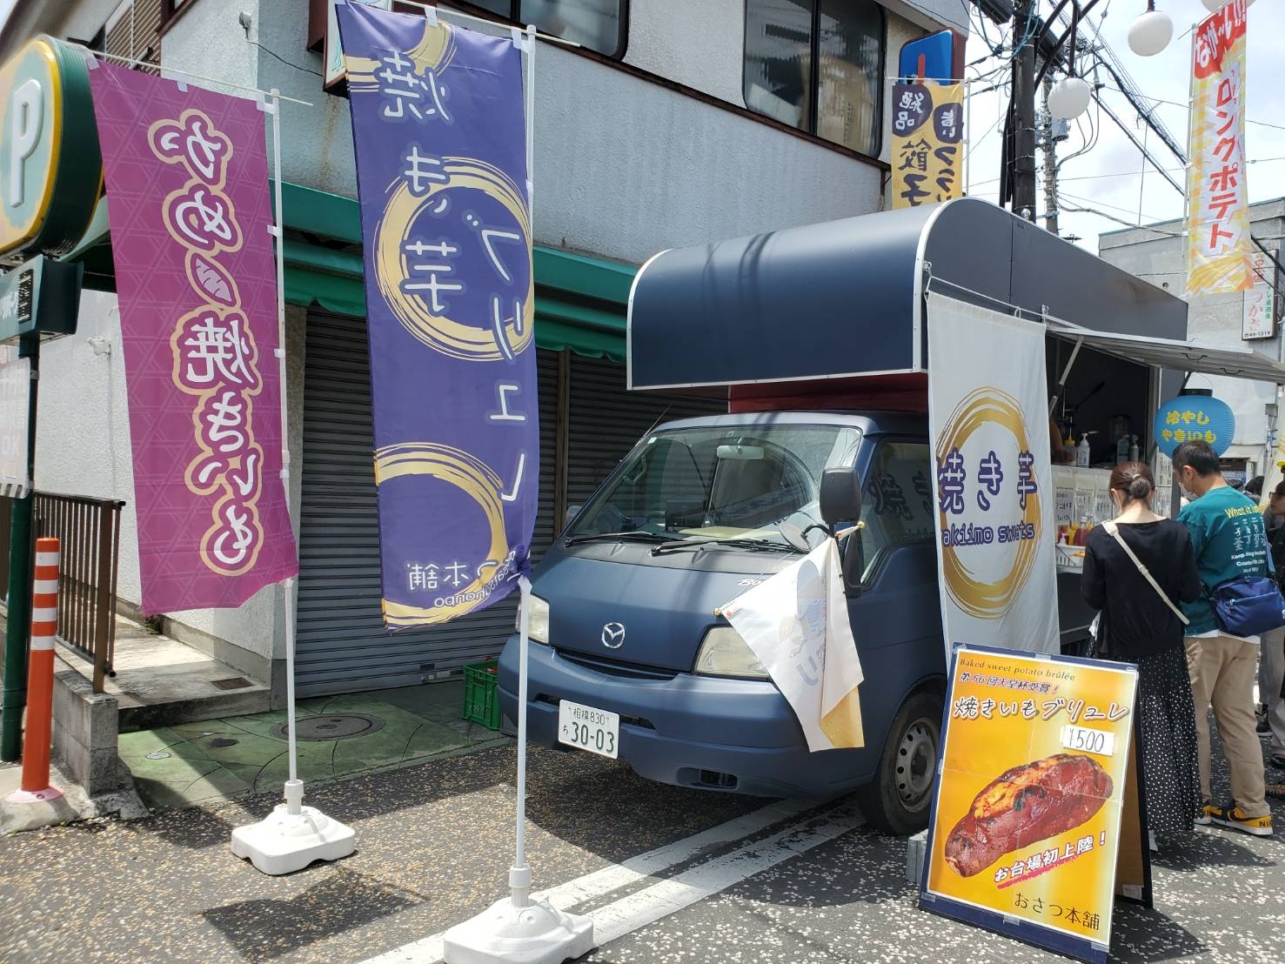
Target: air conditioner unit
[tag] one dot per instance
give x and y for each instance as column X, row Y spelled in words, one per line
column 1000, row 11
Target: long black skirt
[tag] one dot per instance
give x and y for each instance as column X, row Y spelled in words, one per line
column 1168, row 722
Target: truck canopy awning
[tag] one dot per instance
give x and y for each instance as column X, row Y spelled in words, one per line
column 1182, row 356
column 829, row 305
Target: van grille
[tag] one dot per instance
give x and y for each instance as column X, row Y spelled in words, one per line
column 614, row 668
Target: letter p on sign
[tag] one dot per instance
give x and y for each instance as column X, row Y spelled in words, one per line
column 26, row 117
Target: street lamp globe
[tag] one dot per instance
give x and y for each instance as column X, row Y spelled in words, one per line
column 1151, row 32
column 1069, row 98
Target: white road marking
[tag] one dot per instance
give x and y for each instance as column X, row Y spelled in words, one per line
column 695, row 884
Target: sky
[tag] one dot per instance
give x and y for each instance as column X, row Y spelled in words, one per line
column 1109, row 176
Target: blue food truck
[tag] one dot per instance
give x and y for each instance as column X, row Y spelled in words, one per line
column 815, row 336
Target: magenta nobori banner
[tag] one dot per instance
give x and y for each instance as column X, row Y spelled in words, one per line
column 187, row 190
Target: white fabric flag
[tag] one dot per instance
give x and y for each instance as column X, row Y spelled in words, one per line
column 797, row 625
column 989, row 422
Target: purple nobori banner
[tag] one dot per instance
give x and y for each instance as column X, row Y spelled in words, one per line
column 438, row 127
column 187, row 187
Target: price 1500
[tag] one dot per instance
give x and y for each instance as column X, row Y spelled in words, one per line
column 1088, row 740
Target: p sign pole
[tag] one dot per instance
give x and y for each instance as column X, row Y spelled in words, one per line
column 50, row 176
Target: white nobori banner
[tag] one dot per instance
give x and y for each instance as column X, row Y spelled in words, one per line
column 988, row 418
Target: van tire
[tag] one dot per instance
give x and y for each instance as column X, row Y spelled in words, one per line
column 898, row 800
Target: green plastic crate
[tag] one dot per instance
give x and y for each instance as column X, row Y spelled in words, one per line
column 481, row 700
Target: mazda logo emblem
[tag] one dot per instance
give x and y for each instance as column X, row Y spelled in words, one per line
column 613, row 635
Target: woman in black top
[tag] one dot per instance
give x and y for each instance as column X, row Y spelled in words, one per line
column 1137, row 626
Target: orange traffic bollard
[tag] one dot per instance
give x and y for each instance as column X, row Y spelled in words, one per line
column 40, row 678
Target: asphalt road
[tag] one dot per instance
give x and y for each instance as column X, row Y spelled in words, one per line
column 683, row 876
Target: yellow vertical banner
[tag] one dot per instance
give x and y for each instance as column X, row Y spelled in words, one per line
column 927, row 143
column 1219, row 249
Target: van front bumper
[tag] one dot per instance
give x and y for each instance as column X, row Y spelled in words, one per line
column 692, row 731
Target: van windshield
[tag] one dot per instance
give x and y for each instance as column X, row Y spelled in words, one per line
column 739, row 484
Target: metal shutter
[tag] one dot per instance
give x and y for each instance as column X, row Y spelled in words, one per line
column 342, row 645
column 606, row 420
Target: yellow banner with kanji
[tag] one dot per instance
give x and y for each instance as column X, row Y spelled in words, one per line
column 927, row 143
column 1219, row 248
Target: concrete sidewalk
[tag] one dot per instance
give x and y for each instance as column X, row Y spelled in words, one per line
column 188, row 763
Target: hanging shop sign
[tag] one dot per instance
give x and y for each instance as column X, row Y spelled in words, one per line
column 50, row 171
column 196, row 278
column 39, row 295
column 333, row 54
column 440, row 143
column 1219, row 246
column 988, row 419
column 930, row 57
column 1037, row 820
column 1195, row 417
column 1258, row 315
column 927, row 143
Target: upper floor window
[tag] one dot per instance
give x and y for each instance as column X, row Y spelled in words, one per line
column 818, row 65
column 596, row 24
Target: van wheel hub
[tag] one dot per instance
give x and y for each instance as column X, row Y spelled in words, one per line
column 916, row 763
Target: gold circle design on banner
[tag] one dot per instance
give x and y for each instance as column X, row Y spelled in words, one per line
column 976, row 597
column 472, row 477
column 448, row 336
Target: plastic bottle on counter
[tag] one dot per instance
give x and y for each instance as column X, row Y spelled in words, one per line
column 1082, row 452
column 1122, row 450
column 1133, row 448
column 1082, row 533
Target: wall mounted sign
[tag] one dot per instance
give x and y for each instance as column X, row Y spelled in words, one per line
column 50, row 168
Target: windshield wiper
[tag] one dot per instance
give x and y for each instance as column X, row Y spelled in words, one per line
column 754, row 545
column 639, row 535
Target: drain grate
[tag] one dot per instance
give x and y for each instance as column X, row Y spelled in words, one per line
column 235, row 683
column 220, row 742
column 334, row 726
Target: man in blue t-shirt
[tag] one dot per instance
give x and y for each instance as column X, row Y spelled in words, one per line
column 1230, row 540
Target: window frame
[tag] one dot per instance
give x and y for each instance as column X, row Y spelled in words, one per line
column 814, row 79
column 515, row 9
column 874, row 568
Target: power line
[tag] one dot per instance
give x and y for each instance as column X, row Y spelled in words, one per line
column 1187, row 107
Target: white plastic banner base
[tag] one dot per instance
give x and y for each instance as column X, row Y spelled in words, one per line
column 988, row 418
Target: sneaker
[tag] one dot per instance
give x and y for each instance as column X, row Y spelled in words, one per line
column 1207, row 815
column 1234, row 818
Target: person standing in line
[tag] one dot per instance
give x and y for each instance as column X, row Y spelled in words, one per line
column 1271, row 663
column 1141, row 623
column 1230, row 541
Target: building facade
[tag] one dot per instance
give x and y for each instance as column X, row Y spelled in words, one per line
column 664, row 123
column 1157, row 253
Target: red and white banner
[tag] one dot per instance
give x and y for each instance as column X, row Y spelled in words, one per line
column 187, row 190
column 1219, row 248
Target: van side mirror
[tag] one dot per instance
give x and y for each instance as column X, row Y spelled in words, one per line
column 572, row 512
column 840, row 496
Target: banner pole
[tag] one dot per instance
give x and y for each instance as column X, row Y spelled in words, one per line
column 294, row 799
column 292, row 836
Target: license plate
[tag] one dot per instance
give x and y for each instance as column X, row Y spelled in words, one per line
column 587, row 728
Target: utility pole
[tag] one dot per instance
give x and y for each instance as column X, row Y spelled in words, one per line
column 1024, row 113
column 1049, row 145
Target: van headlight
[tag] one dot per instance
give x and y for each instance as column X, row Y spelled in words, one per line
column 538, row 621
column 725, row 653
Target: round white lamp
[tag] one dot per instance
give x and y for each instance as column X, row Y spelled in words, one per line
column 1151, row 32
column 1069, row 98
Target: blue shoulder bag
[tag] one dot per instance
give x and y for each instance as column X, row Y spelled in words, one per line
column 1248, row 606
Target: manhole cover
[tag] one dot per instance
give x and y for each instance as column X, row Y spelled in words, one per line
column 158, row 755
column 339, row 726
column 222, row 741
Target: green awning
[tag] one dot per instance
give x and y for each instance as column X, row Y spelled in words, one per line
column 580, row 301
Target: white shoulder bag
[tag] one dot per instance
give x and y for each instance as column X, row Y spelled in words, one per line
column 1113, row 530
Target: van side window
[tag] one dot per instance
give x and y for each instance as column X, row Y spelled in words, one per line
column 897, row 502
